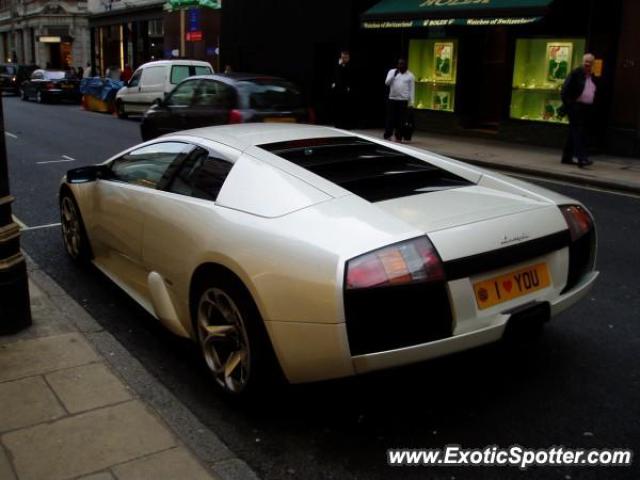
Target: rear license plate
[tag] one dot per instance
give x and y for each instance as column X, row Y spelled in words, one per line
column 280, row 120
column 67, row 87
column 511, row 286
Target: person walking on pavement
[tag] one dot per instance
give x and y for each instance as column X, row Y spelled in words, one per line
column 342, row 90
column 401, row 83
column 578, row 95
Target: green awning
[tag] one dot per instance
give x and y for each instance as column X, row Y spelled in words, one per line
column 439, row 13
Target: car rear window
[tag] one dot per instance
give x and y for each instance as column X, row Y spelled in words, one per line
column 271, row 94
column 367, row 169
column 55, row 75
column 7, row 69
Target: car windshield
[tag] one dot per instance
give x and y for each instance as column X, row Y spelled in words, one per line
column 55, row 75
column 369, row 170
column 271, row 94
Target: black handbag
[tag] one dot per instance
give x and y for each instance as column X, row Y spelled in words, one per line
column 409, row 126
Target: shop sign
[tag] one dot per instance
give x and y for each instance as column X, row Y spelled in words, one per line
column 194, row 36
column 49, row 39
column 446, row 22
column 177, row 4
column 193, row 18
column 453, row 3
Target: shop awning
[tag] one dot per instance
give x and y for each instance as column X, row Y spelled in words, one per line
column 441, row 13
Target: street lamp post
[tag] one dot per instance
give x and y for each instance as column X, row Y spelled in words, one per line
column 15, row 310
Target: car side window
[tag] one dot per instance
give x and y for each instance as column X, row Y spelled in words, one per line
column 203, row 71
column 201, row 176
column 182, row 95
column 38, row 75
column 179, row 73
column 215, row 94
column 135, row 79
column 148, row 166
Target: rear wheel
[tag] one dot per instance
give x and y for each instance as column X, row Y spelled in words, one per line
column 74, row 235
column 120, row 109
column 40, row 98
column 231, row 336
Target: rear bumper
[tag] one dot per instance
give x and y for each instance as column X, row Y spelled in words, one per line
column 313, row 352
column 458, row 343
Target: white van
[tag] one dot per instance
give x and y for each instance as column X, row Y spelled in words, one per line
column 151, row 81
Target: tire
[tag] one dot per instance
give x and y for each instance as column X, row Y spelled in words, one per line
column 24, row 96
column 74, row 235
column 40, row 98
column 120, row 110
column 147, row 132
column 231, row 336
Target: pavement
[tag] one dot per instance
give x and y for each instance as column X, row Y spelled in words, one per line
column 68, row 413
column 619, row 174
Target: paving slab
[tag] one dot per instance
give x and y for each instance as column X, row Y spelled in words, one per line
column 168, row 465
column 42, row 355
column 6, row 472
column 87, row 443
column 87, row 387
column 98, row 476
column 27, row 402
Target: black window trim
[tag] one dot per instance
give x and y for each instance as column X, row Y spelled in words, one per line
column 176, row 166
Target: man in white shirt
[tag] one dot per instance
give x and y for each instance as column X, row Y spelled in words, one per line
column 401, row 83
column 578, row 96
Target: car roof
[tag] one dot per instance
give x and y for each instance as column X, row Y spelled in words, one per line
column 246, row 135
column 237, row 77
column 175, row 61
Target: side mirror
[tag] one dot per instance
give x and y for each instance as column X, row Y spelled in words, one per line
column 158, row 102
column 87, row 174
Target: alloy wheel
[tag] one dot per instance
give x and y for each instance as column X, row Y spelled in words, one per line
column 71, row 229
column 224, row 340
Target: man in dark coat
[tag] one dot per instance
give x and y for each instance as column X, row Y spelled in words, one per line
column 578, row 95
column 342, row 90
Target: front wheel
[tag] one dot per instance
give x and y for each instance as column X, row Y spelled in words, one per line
column 40, row 98
column 232, row 339
column 74, row 235
column 23, row 95
column 120, row 109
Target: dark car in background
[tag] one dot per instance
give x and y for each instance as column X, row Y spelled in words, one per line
column 51, row 85
column 12, row 76
column 206, row 100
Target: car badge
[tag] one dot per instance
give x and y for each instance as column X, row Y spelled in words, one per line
column 516, row 238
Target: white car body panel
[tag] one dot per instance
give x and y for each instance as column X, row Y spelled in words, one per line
column 287, row 235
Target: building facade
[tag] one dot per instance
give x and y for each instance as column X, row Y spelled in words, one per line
column 125, row 32
column 44, row 33
column 487, row 68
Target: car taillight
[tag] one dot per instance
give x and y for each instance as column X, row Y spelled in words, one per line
column 582, row 250
column 235, row 116
column 311, row 116
column 578, row 219
column 413, row 261
column 49, row 86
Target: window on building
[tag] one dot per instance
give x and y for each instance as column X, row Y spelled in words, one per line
column 435, row 66
column 540, row 68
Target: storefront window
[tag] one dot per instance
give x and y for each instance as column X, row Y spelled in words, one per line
column 434, row 64
column 541, row 66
